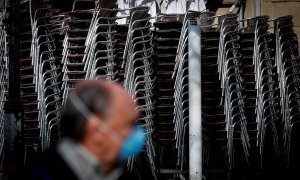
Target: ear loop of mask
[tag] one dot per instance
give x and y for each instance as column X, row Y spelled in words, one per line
column 82, row 108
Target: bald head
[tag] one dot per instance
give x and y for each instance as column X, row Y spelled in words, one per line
column 105, row 99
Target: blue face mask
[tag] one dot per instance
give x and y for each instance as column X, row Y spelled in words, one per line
column 130, row 146
column 133, row 144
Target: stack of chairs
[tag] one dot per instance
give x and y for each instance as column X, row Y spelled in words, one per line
column 181, row 99
column 213, row 115
column 58, row 28
column 48, row 75
column 232, row 84
column 105, row 43
column 73, row 66
column 165, row 42
column 29, row 96
column 101, row 54
column 120, row 37
column 3, row 77
column 120, row 41
column 181, row 93
column 288, row 63
column 139, row 76
column 247, row 38
column 58, row 21
column 225, row 133
column 268, row 112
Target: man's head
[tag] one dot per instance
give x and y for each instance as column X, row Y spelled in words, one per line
column 98, row 114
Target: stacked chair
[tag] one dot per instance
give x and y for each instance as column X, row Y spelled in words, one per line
column 139, row 76
column 247, row 66
column 29, row 95
column 120, row 38
column 57, row 30
column 73, row 65
column 58, row 21
column 181, row 99
column 48, row 75
column 213, row 115
column 287, row 61
column 101, row 55
column 3, row 77
column 232, row 84
column 165, row 42
column 268, row 112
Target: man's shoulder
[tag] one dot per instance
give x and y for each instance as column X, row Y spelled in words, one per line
column 50, row 165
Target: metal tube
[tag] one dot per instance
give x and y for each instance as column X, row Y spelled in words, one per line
column 257, row 8
column 195, row 124
column 253, row 8
column 242, row 13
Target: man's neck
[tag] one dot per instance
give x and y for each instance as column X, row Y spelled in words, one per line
column 83, row 163
column 99, row 153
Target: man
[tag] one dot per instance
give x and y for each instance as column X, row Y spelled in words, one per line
column 98, row 134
